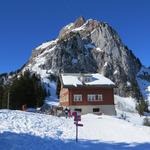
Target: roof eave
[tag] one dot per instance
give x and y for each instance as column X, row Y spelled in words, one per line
column 100, row 86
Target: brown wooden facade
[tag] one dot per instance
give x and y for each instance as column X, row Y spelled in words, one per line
column 67, row 96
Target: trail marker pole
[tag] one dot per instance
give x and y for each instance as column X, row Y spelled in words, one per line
column 77, row 118
column 76, row 133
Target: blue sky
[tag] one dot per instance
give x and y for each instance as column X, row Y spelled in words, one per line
column 25, row 24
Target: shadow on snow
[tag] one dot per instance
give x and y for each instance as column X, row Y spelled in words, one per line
column 14, row 141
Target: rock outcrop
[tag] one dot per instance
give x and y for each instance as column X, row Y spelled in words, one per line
column 88, row 46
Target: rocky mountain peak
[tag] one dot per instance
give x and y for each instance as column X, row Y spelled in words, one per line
column 79, row 25
column 88, row 47
column 79, row 22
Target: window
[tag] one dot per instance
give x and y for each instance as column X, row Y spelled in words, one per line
column 87, row 79
column 100, row 97
column 78, row 109
column 95, row 97
column 95, row 109
column 77, row 97
column 91, row 97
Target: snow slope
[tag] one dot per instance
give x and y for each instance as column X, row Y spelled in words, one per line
column 40, row 60
column 127, row 104
column 31, row 131
column 126, row 108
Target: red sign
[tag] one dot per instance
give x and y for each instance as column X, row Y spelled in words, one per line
column 77, row 118
column 74, row 113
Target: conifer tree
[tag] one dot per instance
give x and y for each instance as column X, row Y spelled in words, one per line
column 27, row 90
column 142, row 107
column 1, row 95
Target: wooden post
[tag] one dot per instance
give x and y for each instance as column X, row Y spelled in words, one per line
column 76, row 132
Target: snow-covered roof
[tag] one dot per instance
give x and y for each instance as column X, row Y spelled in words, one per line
column 73, row 79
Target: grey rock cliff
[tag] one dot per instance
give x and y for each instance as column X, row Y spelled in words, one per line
column 89, row 46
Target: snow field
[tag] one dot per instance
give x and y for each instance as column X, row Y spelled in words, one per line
column 105, row 128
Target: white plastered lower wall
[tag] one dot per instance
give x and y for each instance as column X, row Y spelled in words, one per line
column 105, row 109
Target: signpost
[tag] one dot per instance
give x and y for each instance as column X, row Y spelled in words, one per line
column 77, row 118
column 81, row 125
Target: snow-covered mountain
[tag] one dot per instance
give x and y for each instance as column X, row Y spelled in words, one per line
column 87, row 46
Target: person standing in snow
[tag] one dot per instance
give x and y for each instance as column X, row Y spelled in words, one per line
column 66, row 112
column 69, row 113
